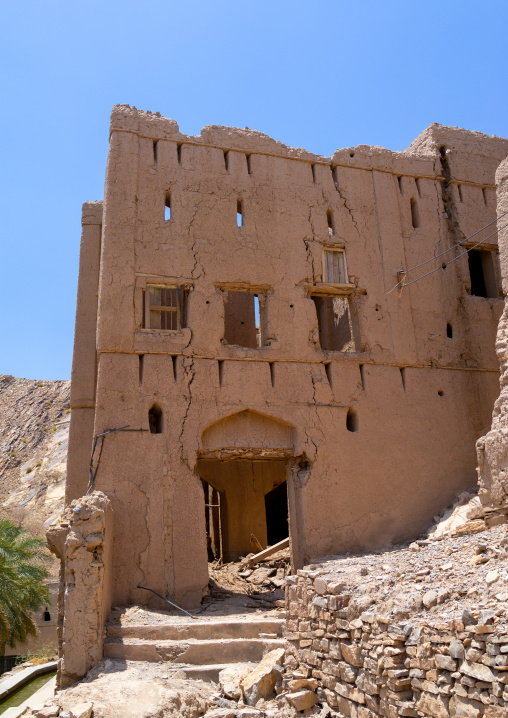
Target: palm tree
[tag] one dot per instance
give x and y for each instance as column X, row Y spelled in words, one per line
column 22, row 590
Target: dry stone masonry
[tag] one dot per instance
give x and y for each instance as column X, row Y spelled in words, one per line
column 418, row 631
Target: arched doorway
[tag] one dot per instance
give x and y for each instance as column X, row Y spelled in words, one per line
column 245, row 466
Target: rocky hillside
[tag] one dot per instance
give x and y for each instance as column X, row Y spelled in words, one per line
column 34, row 428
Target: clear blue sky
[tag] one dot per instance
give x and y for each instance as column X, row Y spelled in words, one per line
column 319, row 75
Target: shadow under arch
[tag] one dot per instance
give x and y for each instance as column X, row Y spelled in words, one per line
column 247, row 465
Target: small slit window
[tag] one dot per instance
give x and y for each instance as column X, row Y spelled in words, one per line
column 165, row 308
column 415, row 214
column 239, row 213
column 155, row 419
column 335, row 266
column 167, row 207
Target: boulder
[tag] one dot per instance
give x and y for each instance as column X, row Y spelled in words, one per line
column 231, row 677
column 302, row 700
column 260, row 682
column 81, row 710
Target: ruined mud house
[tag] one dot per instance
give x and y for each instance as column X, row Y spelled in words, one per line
column 236, row 327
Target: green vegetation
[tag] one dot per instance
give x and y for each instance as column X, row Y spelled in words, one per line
column 67, row 411
column 23, row 440
column 44, row 654
column 13, row 454
column 40, row 383
column 29, row 470
column 22, row 572
column 39, row 463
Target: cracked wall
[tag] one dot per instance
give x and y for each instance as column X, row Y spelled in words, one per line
column 420, row 399
column 83, row 543
column 492, row 449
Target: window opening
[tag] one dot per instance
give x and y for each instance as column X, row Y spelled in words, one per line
column 165, row 308
column 403, row 376
column 449, row 331
column 226, row 161
column 440, row 392
column 459, row 187
column 271, row 364
column 249, row 168
column 220, row 366
column 415, row 215
column 155, row 151
column 239, row 213
column 179, row 152
column 313, row 170
column 334, row 324
column 329, row 219
column 335, row 266
column 173, row 360
column 47, row 615
column 140, row 359
column 418, row 187
column 243, row 319
column 399, row 180
column 155, row 419
column 352, row 420
column 167, row 203
column 484, row 193
column 328, row 371
column 335, row 177
column 362, row 375
column 482, row 273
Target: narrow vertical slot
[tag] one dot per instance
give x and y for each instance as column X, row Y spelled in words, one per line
column 167, row 207
column 399, row 180
column 271, row 364
column 449, row 331
column 485, row 199
column 403, row 376
column 328, row 371
column 173, row 359
column 335, row 177
column 179, row 153
column 155, row 142
column 418, row 187
column 415, row 214
column 226, row 161
column 239, row 213
column 461, row 198
column 329, row 219
column 249, row 168
column 362, row 375
column 220, row 365
column 140, row 367
column 313, row 170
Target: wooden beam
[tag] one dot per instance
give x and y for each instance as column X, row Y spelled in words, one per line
column 268, row 552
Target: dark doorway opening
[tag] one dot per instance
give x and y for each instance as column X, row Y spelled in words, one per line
column 246, row 505
column 482, row 274
column 277, row 517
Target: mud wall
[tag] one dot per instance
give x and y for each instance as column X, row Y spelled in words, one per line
column 493, row 448
column 377, row 439
column 83, row 542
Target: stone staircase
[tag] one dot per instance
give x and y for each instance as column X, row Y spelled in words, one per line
column 201, row 648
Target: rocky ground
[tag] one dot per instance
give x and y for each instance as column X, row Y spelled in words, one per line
column 34, row 427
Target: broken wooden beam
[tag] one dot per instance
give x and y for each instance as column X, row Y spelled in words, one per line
column 268, row 552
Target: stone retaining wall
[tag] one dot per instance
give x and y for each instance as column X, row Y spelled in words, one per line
column 369, row 666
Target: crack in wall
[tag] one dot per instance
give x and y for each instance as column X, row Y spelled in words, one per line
column 343, row 199
column 190, row 372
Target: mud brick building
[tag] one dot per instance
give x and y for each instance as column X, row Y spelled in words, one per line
column 235, row 314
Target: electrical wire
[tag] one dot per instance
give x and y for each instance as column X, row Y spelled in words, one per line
column 443, row 266
column 458, row 243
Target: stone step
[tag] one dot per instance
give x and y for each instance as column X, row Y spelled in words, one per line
column 198, row 630
column 202, row 673
column 199, row 653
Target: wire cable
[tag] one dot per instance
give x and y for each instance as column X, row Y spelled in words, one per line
column 459, row 243
column 402, row 285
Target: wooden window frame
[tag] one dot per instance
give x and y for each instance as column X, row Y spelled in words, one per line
column 178, row 309
column 334, row 250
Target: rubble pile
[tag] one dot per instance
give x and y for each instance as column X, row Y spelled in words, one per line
column 420, row 630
